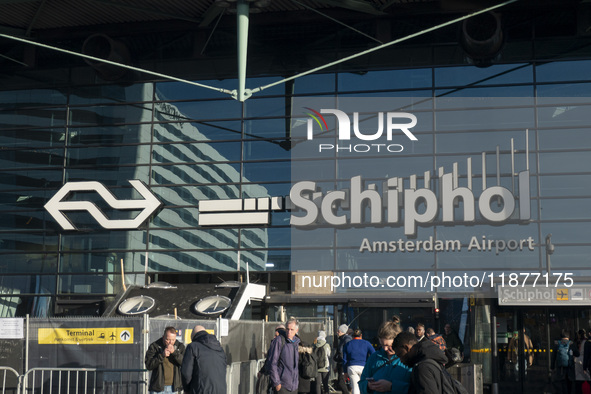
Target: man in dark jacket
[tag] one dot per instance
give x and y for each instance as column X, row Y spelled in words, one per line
column 164, row 358
column 426, row 360
column 338, row 357
column 204, row 364
column 562, row 363
column 282, row 359
column 452, row 339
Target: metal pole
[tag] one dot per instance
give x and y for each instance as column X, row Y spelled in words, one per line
column 146, row 338
column 242, row 10
column 494, row 353
column 26, row 351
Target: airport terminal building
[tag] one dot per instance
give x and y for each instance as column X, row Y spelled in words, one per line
column 361, row 160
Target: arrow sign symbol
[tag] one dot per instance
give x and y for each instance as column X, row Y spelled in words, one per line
column 124, row 335
column 55, row 206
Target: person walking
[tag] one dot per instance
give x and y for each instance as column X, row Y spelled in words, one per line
column 426, row 360
column 355, row 355
column 563, row 366
column 204, row 365
column 338, row 357
column 306, row 355
column 283, row 359
column 513, row 353
column 322, row 351
column 582, row 376
column 164, row 358
column 453, row 341
column 420, row 332
column 383, row 371
column 263, row 385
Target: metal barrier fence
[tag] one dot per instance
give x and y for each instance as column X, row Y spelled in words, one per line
column 6, row 388
column 84, row 380
column 240, row 379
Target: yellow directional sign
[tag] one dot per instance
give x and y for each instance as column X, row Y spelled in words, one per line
column 562, row 294
column 85, row 336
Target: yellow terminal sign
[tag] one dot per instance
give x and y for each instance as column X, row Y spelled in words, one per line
column 85, row 336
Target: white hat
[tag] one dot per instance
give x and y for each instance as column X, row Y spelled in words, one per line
column 322, row 334
column 343, row 328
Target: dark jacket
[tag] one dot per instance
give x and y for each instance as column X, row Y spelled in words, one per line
column 283, row 361
column 426, row 377
column 452, row 340
column 204, row 365
column 338, row 356
column 304, row 385
column 155, row 357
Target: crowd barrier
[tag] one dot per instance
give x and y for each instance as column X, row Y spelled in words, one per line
column 240, row 379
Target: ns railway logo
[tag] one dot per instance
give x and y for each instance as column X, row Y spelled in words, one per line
column 395, row 203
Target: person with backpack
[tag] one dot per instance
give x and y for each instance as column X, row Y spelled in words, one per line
column 383, row 371
column 338, row 357
column 426, row 360
column 355, row 355
column 322, row 353
column 563, row 365
column 307, row 368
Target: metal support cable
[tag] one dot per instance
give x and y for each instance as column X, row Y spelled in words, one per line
column 336, row 21
column 242, row 93
column 383, row 46
column 96, row 59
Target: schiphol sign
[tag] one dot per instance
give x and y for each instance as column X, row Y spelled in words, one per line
column 385, row 207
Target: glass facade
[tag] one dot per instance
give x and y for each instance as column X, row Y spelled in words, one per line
column 189, row 144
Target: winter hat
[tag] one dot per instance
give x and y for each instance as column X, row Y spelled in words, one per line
column 322, row 334
column 343, row 328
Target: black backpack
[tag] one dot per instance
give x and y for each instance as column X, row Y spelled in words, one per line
column 308, row 366
column 449, row 385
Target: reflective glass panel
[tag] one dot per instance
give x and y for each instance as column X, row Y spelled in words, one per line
column 28, row 118
column 49, row 138
column 35, row 263
column 197, row 131
column 94, row 135
column 110, row 114
column 41, row 97
column 108, row 156
column 193, row 239
column 196, row 153
column 106, row 94
column 193, row 261
column 31, row 284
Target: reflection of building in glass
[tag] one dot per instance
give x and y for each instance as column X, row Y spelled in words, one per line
column 213, row 178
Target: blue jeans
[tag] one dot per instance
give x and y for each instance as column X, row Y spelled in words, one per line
column 167, row 390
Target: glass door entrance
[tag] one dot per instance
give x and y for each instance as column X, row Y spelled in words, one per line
column 526, row 339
